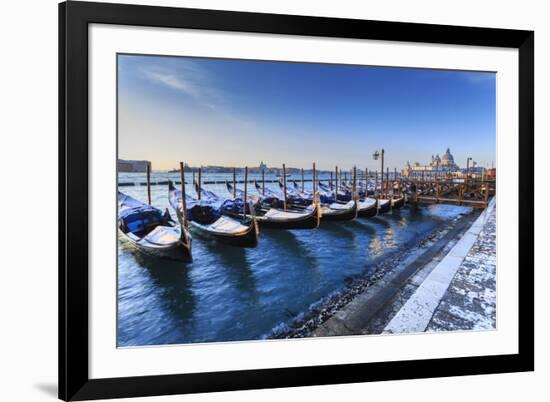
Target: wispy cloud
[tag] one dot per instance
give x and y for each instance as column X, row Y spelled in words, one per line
column 175, row 82
column 187, row 78
column 195, row 82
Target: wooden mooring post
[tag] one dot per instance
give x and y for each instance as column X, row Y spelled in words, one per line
column 415, row 189
column 382, row 173
column 400, row 185
column 148, row 174
column 354, row 182
column 199, row 184
column 388, row 187
column 234, row 183
column 284, row 186
column 183, row 195
column 336, row 184
column 377, row 192
column 314, row 184
column 245, row 200
column 263, row 181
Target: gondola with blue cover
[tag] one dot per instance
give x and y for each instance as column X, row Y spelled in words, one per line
column 367, row 207
column 151, row 231
column 276, row 218
column 331, row 209
column 205, row 215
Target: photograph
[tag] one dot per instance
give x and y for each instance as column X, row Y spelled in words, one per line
column 269, row 199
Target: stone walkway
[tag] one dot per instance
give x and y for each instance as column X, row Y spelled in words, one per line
column 470, row 300
column 460, row 293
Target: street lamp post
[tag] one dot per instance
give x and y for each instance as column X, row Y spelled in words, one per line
column 375, row 156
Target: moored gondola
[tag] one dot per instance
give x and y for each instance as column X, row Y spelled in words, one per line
column 384, row 205
column 339, row 212
column 343, row 194
column 151, row 231
column 276, row 200
column 331, row 210
column 366, row 208
column 276, row 218
column 205, row 217
column 398, row 201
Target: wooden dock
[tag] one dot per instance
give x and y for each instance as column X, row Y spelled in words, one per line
column 468, row 191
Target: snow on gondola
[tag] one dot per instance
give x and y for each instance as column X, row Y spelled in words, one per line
column 307, row 218
column 205, row 217
column 151, row 231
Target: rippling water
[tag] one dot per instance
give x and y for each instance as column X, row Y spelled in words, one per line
column 229, row 293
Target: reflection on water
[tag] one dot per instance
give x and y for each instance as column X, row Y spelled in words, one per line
column 230, row 293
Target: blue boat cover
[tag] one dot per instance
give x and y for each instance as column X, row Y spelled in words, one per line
column 134, row 216
column 204, row 211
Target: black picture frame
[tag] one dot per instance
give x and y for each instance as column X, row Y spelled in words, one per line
column 74, row 18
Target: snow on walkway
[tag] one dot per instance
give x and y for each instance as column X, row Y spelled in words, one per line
column 460, row 293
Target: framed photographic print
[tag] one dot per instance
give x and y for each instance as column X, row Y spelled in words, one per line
column 257, row 200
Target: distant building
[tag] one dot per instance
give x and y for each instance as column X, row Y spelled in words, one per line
column 444, row 164
column 262, row 166
column 130, row 166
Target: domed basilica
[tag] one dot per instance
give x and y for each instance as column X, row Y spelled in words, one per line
column 444, row 164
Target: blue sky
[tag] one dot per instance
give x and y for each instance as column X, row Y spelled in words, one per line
column 239, row 112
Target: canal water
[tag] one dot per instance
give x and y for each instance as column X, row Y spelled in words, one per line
column 232, row 294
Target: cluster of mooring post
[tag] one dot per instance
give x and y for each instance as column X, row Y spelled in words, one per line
column 439, row 184
column 442, row 187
